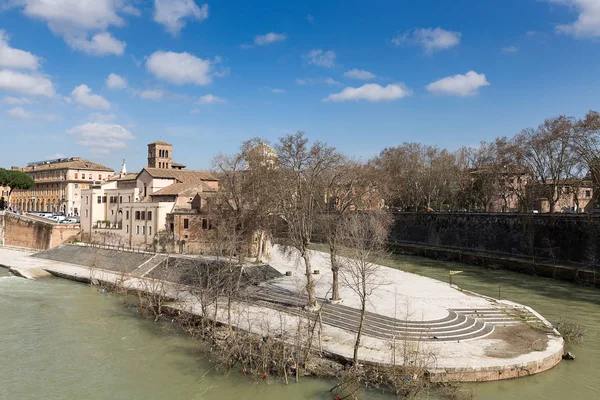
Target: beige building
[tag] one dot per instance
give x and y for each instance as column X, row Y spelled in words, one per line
column 131, row 210
column 58, row 185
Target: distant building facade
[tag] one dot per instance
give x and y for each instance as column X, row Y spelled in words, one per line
column 58, row 185
column 146, row 210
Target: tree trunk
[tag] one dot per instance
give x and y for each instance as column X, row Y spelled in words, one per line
column 310, row 283
column 363, row 310
column 335, row 270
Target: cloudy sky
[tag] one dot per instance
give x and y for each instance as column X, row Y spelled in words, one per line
column 101, row 78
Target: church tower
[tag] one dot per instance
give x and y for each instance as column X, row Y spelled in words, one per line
column 160, row 155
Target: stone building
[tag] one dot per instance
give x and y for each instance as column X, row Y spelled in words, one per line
column 58, row 185
column 132, row 210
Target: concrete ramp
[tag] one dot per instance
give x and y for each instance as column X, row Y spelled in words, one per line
column 113, row 260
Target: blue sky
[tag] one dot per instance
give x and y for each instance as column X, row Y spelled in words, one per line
column 360, row 75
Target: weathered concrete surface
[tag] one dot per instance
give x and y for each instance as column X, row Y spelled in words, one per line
column 94, row 257
column 422, row 298
column 30, row 273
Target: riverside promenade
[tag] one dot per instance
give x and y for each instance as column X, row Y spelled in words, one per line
column 461, row 336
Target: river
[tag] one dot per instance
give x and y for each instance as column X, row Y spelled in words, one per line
column 64, row 340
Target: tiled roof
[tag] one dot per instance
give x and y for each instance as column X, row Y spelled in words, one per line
column 176, row 164
column 160, row 142
column 126, row 177
column 183, row 176
column 180, row 188
column 73, row 164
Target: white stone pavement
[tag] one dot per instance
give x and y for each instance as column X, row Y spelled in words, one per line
column 423, row 298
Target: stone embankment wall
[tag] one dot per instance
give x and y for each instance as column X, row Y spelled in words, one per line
column 554, row 238
column 34, row 233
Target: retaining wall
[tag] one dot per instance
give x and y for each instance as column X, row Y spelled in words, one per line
column 32, row 232
column 554, row 238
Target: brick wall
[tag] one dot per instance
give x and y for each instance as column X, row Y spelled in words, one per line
column 24, row 231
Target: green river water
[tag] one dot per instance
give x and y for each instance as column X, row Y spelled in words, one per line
column 64, row 340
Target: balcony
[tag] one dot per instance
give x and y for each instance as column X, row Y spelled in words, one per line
column 107, row 225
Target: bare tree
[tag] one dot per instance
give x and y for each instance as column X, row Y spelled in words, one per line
column 364, row 235
column 352, row 186
column 546, row 153
column 586, row 143
column 245, row 203
column 302, row 189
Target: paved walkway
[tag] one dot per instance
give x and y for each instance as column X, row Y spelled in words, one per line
column 452, row 325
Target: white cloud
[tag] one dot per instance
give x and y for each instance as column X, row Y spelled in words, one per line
column 16, row 58
column 510, row 49
column 17, row 100
column 430, row 39
column 115, row 81
column 371, row 92
column 99, row 45
column 20, row 113
column 101, row 137
column 155, row 95
column 321, row 58
column 587, row 24
column 278, row 91
column 76, row 20
column 269, row 38
column 131, row 10
column 32, row 85
column 359, row 74
column 83, row 95
column 179, row 68
column 314, row 81
column 174, row 14
column 210, row 99
column 100, row 117
column 459, row 85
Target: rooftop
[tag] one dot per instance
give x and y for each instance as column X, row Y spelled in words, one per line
column 69, row 163
column 182, row 176
column 180, row 188
column 160, row 142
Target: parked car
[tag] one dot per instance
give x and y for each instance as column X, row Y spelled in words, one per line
column 69, row 221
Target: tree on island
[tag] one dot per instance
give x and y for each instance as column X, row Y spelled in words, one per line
column 15, row 179
column 301, row 192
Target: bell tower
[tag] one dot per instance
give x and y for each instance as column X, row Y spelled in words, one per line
column 160, row 155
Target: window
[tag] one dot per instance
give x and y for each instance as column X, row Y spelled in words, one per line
column 588, row 194
column 143, row 230
column 112, row 212
column 186, row 223
column 77, row 186
column 82, row 176
column 99, row 176
column 129, row 199
column 149, row 216
column 126, row 214
column 120, row 199
column 204, row 224
column 99, row 199
column 126, row 228
column 76, row 175
column 86, row 213
column 90, row 178
column 137, row 229
column 137, row 215
column 104, row 199
column 143, row 215
column 87, row 199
